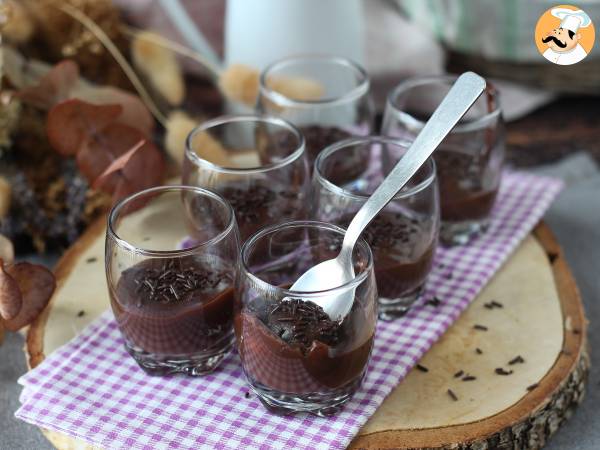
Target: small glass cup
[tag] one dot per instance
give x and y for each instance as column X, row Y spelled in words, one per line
column 327, row 97
column 403, row 237
column 256, row 163
column 171, row 256
column 294, row 356
column 469, row 161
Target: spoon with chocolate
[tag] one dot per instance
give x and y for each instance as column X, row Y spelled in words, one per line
column 339, row 271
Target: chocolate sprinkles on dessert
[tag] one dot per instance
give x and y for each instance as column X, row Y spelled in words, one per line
column 301, row 322
column 170, row 284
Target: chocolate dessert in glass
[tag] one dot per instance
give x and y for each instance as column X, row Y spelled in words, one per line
column 469, row 161
column 295, row 357
column 326, row 97
column 403, row 237
column 257, row 164
column 171, row 255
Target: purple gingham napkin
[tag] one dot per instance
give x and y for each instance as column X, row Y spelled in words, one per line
column 93, row 390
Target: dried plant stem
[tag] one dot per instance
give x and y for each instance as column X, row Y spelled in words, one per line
column 176, row 47
column 114, row 51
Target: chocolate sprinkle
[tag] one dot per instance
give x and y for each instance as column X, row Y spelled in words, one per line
column 480, row 327
column 469, row 378
column 81, row 313
column 516, row 360
column 434, row 302
column 532, row 387
column 493, row 304
column 452, row 395
column 171, row 284
column 422, row 368
column 458, row 374
column 248, row 202
column 301, row 322
column 91, row 260
column 501, row 371
column 479, row 351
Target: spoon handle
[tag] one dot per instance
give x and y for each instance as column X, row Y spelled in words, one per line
column 465, row 91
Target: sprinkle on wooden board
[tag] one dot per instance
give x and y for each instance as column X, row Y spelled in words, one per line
column 422, row 368
column 501, row 371
column 480, row 327
column 516, row 360
column 452, row 395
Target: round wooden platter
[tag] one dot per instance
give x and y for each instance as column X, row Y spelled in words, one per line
column 542, row 320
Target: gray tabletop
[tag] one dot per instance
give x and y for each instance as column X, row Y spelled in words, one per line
column 574, row 218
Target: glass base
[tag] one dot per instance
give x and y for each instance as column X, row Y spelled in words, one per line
column 461, row 233
column 394, row 308
column 193, row 365
column 319, row 404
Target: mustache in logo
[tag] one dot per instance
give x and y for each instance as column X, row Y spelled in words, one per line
column 555, row 40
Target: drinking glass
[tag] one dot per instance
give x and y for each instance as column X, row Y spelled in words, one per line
column 256, row 163
column 171, row 255
column 327, row 97
column 295, row 357
column 404, row 235
column 469, row 161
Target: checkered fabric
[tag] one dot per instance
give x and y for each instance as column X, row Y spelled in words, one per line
column 92, row 389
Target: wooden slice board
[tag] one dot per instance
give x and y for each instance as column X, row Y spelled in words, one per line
column 542, row 320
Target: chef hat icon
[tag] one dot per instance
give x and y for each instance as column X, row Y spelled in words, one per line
column 570, row 19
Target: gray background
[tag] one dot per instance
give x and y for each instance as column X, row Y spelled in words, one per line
column 574, row 218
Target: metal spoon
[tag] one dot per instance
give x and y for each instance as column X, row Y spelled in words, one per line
column 339, row 271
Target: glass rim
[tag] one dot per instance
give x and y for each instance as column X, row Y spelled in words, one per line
column 246, row 247
column 123, row 243
column 318, row 175
column 361, row 88
column 413, row 82
column 193, row 157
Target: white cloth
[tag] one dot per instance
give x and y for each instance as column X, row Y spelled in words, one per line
column 566, row 58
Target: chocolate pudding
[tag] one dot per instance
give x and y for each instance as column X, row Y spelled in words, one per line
column 318, row 137
column 259, row 205
column 403, row 250
column 462, row 195
column 291, row 346
column 174, row 307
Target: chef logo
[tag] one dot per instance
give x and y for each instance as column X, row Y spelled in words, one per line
column 564, row 35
